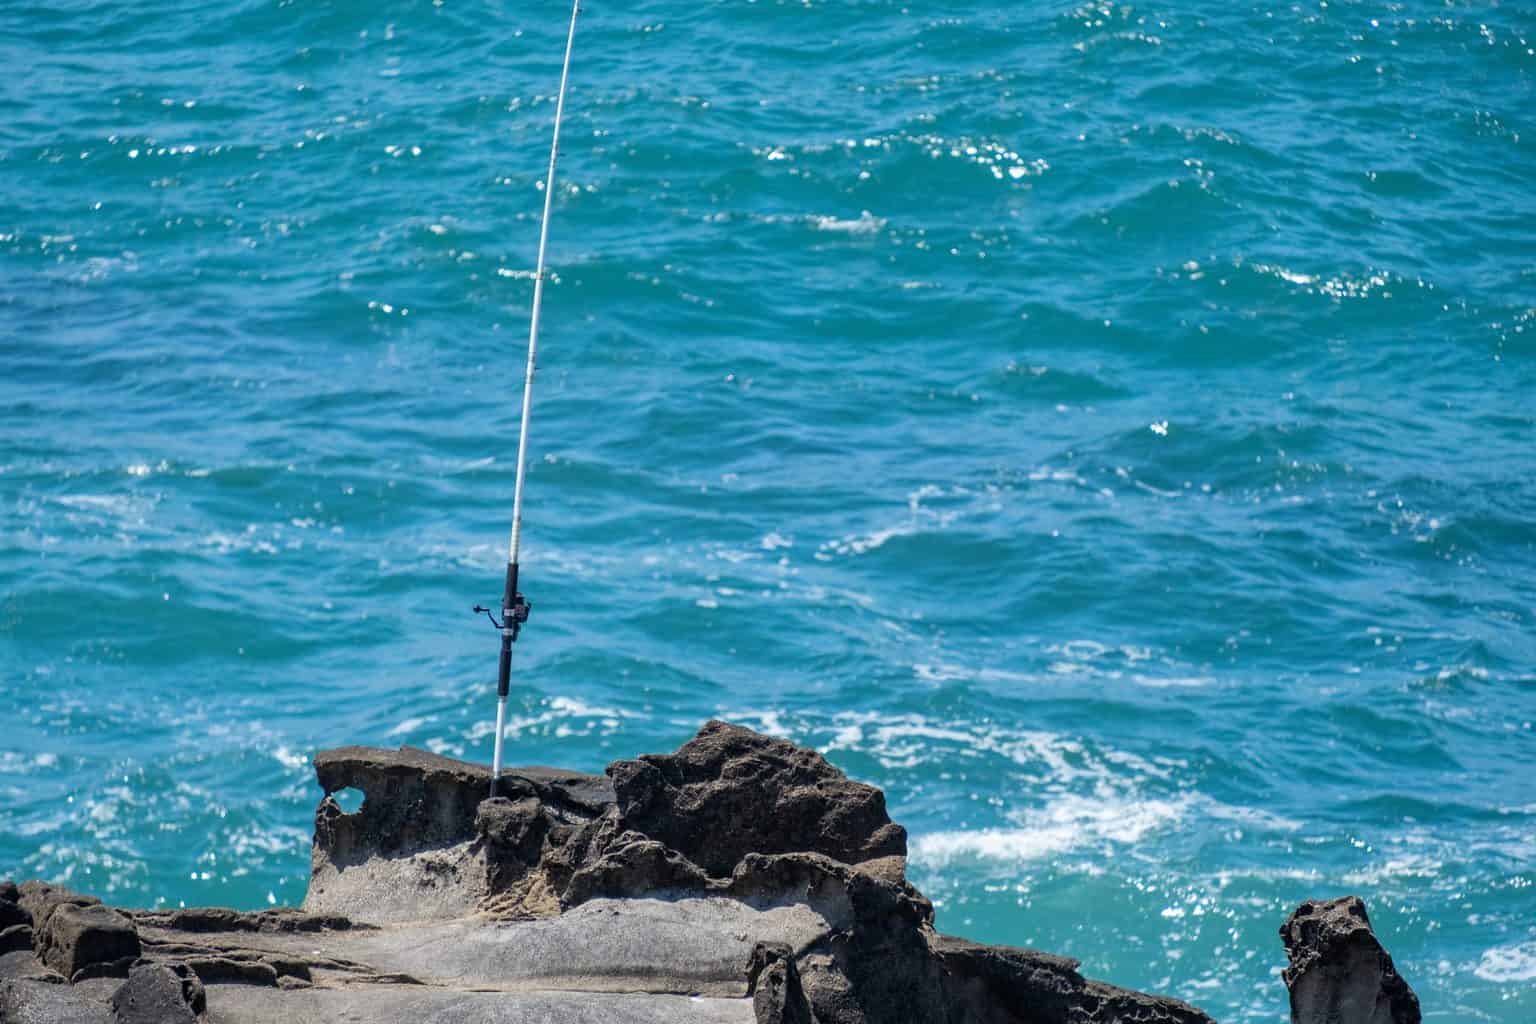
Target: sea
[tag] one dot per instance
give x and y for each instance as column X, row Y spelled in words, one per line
column 1109, row 428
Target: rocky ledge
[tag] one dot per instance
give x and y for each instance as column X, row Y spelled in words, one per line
column 740, row 879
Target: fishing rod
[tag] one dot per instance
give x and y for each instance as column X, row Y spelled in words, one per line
column 514, row 607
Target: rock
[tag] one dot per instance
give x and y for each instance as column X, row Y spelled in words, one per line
column 216, row 969
column 11, row 912
column 1339, row 973
column 31, row 1001
column 740, row 879
column 1107, row 1004
column 428, row 798
column 773, row 982
column 92, row 939
column 223, row 919
column 415, row 849
column 515, row 826
column 38, row 900
column 1004, row 984
column 390, row 1004
column 23, row 965
column 730, row 791
column 16, row 937
column 1029, row 984
column 634, row 865
column 159, row 994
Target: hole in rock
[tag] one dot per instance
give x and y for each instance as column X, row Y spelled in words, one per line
column 351, row 800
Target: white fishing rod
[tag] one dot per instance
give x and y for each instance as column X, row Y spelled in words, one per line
column 514, row 608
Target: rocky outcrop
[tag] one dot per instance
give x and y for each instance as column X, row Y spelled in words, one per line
column 773, row 982
column 90, row 940
column 730, row 792
column 1339, row 973
column 738, row 879
column 72, row 936
column 418, row 847
column 160, row 994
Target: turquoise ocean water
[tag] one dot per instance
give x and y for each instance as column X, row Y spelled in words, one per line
column 1111, row 429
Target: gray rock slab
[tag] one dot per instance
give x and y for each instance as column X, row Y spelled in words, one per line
column 26, row 1001
column 446, row 882
column 23, row 963
column 244, row 1004
column 688, row 946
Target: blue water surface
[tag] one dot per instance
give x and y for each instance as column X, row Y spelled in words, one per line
column 1111, row 429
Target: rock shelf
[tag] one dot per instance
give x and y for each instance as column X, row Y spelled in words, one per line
column 738, row 879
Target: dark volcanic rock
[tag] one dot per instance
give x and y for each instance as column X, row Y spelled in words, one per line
column 773, row 982
column 515, row 827
column 411, row 799
column 1108, row 1004
column 11, row 914
column 15, row 937
column 730, row 791
column 877, row 966
column 10, row 907
column 223, row 919
column 416, row 798
column 1003, row 984
column 1025, row 983
column 1339, row 972
column 159, row 994
column 91, row 939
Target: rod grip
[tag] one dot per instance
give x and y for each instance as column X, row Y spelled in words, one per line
column 504, row 670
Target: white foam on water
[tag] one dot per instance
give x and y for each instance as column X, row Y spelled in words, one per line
column 847, row 738
column 769, row 722
column 1412, row 865
column 119, row 506
column 909, row 740
column 859, row 544
column 572, row 706
column 865, row 223
column 1171, row 682
column 1504, row 964
column 558, row 712
column 1065, row 824
column 1253, row 817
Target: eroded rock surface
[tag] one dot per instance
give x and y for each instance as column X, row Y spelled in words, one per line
column 730, row 792
column 1339, row 973
column 418, row 847
column 158, row 993
column 739, row 879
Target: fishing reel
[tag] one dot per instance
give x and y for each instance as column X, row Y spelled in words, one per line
column 513, row 617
